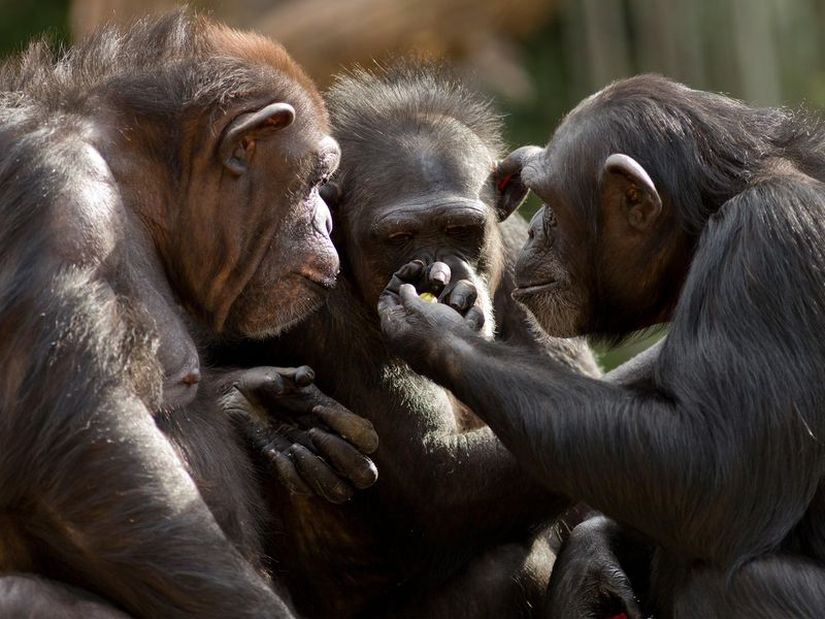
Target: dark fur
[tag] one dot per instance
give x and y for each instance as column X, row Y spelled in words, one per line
column 449, row 528
column 91, row 492
column 716, row 453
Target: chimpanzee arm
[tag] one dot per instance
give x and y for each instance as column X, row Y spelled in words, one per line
column 602, row 567
column 105, row 494
column 723, row 459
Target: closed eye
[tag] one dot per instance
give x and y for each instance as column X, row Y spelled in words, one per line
column 463, row 231
column 397, row 238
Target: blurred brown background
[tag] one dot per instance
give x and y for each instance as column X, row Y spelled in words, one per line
column 537, row 58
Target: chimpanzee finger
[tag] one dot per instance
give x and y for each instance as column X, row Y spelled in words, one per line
column 409, row 296
column 303, row 376
column 347, row 460
column 462, row 296
column 317, row 473
column 409, row 273
column 357, row 430
column 287, row 473
column 436, row 278
column 474, row 318
column 254, row 383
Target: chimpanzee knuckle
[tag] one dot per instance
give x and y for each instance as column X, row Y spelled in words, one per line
column 236, row 402
column 364, row 474
column 318, row 473
column 289, row 476
column 411, row 271
column 265, row 382
column 357, row 430
column 304, row 376
column 438, row 275
column 475, row 319
column 348, row 461
column 471, row 291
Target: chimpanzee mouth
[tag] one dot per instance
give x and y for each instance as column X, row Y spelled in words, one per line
column 526, row 291
column 314, row 278
column 323, row 282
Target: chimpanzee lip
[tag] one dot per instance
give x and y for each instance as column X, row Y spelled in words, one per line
column 523, row 291
column 316, row 278
column 322, row 282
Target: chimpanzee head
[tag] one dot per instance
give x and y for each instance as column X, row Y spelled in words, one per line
column 420, row 178
column 628, row 182
column 220, row 146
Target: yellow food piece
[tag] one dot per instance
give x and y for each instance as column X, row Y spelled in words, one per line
column 429, row 298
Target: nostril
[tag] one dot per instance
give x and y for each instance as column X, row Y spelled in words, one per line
column 328, row 223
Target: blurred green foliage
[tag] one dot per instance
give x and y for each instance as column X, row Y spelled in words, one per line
column 20, row 20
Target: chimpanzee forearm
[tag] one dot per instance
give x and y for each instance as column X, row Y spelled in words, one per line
column 546, row 415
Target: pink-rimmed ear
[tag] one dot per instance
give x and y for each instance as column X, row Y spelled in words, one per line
column 509, row 190
column 624, row 179
column 238, row 141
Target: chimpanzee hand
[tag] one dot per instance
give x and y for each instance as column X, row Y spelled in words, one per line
column 415, row 326
column 313, row 443
column 435, row 280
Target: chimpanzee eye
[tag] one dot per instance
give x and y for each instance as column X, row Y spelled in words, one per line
column 465, row 231
column 399, row 238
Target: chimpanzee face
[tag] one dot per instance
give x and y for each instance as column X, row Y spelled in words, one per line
column 551, row 272
column 433, row 202
column 606, row 254
column 252, row 238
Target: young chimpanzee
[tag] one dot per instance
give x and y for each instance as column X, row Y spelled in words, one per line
column 158, row 189
column 664, row 203
column 449, row 530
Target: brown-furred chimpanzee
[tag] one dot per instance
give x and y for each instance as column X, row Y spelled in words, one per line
column 664, row 203
column 158, row 190
column 449, row 530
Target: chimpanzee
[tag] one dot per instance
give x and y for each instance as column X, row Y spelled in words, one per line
column 158, row 190
column 449, row 530
column 664, row 203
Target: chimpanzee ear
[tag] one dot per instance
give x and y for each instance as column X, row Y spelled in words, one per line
column 625, row 181
column 238, row 142
column 508, row 188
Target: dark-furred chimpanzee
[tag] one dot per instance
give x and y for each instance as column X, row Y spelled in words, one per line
column 158, row 189
column 449, row 530
column 666, row 203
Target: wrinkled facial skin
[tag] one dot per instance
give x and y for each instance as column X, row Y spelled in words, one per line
column 300, row 263
column 551, row 272
column 437, row 210
column 260, row 239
